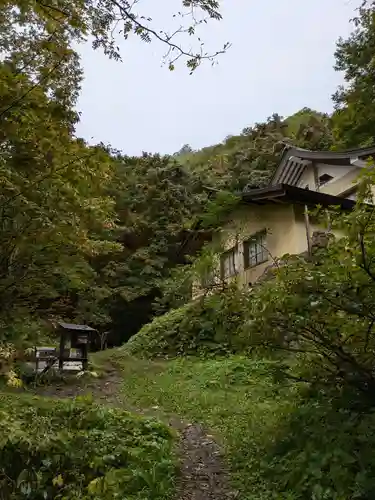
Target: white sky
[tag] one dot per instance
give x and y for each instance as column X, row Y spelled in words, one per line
column 281, row 60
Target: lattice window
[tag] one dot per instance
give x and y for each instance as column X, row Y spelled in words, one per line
column 228, row 263
column 208, row 280
column 255, row 251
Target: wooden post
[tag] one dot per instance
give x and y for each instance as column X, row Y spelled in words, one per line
column 62, row 348
column 307, row 225
column 316, row 177
column 329, row 224
column 84, row 357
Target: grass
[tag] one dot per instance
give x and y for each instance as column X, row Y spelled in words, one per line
column 77, row 449
column 234, row 397
column 272, row 433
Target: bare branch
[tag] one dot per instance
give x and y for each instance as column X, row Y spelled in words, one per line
column 166, row 39
column 364, row 265
column 125, row 9
column 53, row 7
column 368, row 334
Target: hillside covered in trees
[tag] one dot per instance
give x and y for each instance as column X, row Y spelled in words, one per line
column 98, row 246
column 89, row 234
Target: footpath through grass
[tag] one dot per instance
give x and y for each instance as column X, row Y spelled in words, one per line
column 234, row 397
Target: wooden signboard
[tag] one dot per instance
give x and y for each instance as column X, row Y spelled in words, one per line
column 82, row 338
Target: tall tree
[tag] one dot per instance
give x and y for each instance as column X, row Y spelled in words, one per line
column 354, row 118
column 55, row 215
column 53, row 209
column 156, row 203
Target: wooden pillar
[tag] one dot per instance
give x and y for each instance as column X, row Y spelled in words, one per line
column 307, row 225
column 316, row 177
column 329, row 223
column 84, row 357
column 62, row 348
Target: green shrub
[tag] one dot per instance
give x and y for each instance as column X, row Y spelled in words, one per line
column 208, row 326
column 71, row 450
column 281, row 442
column 323, row 451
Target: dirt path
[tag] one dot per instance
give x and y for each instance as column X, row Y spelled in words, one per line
column 203, row 475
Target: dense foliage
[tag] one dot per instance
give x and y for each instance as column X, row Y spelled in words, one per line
column 283, row 441
column 78, row 450
column 89, row 234
column 354, row 119
column 318, row 314
column 207, row 326
column 59, row 200
column 248, row 159
column 323, row 313
column 299, row 464
column 160, row 199
column 54, row 210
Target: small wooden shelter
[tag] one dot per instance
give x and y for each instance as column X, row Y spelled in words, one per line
column 79, row 337
column 73, row 347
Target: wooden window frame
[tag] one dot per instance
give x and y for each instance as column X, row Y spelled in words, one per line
column 208, row 280
column 261, row 255
column 231, row 252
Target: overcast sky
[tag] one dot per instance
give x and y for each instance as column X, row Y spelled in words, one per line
column 281, row 60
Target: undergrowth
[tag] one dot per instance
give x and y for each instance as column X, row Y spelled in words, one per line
column 282, row 441
column 207, row 326
column 76, row 449
column 234, row 397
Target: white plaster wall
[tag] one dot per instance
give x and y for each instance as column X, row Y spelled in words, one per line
column 307, row 178
column 279, row 222
column 343, row 177
column 339, row 185
column 336, row 171
column 286, row 234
